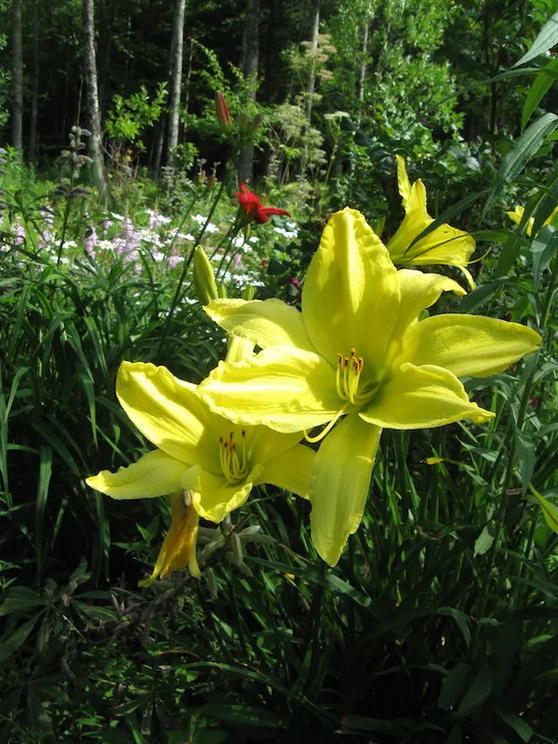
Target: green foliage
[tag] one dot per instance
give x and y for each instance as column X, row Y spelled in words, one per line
column 439, row 623
column 132, row 116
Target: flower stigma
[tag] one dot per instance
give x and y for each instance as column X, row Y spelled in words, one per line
column 233, row 467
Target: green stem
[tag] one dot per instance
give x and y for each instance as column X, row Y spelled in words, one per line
column 186, row 265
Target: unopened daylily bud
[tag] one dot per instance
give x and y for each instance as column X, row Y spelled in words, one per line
column 222, row 111
column 248, row 292
column 222, row 291
column 211, row 583
column 242, row 121
column 204, row 281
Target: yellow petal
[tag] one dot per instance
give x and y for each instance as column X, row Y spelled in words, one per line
column 444, row 245
column 266, row 323
column 287, row 389
column 403, row 183
column 339, row 484
column 419, row 291
column 154, row 474
column 469, row 345
column 213, row 497
column 350, row 297
column 422, row 398
column 179, row 547
column 291, row 470
column 168, row 411
column 239, row 349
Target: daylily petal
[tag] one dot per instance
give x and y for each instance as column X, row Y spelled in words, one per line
column 350, row 297
column 419, row 291
column 168, row 411
column 291, row 470
column 469, row 345
column 266, row 323
column 403, row 184
column 265, row 444
column 179, row 546
column 422, row 398
column 213, row 496
column 444, row 245
column 339, row 484
column 285, row 388
column 154, row 474
column 239, row 349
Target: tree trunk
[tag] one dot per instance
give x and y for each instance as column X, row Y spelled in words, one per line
column 176, row 76
column 250, row 58
column 17, row 77
column 35, row 92
column 187, row 83
column 94, row 118
column 313, row 49
column 362, row 68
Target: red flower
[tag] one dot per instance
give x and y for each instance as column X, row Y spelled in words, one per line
column 253, row 208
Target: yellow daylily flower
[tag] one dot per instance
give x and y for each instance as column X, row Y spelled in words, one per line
column 445, row 245
column 517, row 216
column 208, row 464
column 359, row 350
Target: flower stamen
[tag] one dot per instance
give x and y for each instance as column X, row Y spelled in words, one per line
column 234, row 468
column 348, row 376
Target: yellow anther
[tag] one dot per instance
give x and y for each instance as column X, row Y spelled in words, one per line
column 348, row 376
column 234, row 468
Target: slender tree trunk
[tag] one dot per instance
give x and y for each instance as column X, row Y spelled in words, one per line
column 94, row 113
column 251, row 53
column 176, row 76
column 35, row 91
column 187, row 83
column 159, row 142
column 362, row 67
column 313, row 49
column 17, row 77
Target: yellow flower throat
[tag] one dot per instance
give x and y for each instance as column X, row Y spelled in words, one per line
column 348, row 376
column 233, row 466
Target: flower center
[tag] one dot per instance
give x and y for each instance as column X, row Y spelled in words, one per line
column 348, row 376
column 233, row 465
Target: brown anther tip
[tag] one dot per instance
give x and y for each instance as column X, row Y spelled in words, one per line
column 353, row 351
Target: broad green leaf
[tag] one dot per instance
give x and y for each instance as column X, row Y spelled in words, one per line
column 547, row 204
column 525, row 447
column 550, row 511
column 480, row 689
column 10, row 645
column 453, row 686
column 547, row 38
column 544, row 246
column 484, row 541
column 244, row 715
column 356, row 724
column 521, row 727
column 45, row 473
column 523, row 150
column 537, row 91
column 19, row 598
column 482, row 293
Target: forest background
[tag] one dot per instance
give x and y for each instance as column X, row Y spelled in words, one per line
column 438, row 624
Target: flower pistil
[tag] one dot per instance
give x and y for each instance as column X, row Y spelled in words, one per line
column 233, row 467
